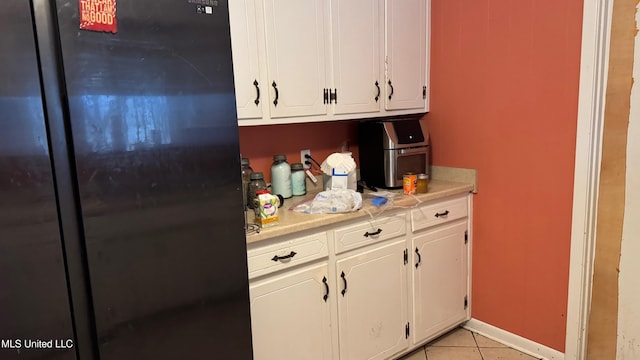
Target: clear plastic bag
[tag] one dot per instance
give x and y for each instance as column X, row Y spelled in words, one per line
column 332, row 202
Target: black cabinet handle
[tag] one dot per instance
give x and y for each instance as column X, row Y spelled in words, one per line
column 280, row 258
column 391, row 86
column 344, row 279
column 442, row 213
column 257, row 100
column 275, row 87
column 419, row 258
column 326, row 289
column 378, row 87
column 377, row 232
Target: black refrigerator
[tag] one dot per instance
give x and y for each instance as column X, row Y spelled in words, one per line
column 121, row 216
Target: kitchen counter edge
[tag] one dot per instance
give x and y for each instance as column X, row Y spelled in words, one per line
column 292, row 222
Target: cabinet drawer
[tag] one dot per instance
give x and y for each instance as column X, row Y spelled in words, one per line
column 369, row 232
column 285, row 254
column 438, row 213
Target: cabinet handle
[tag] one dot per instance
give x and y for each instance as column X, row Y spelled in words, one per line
column 344, row 279
column 326, row 289
column 391, row 86
column 377, row 232
column 378, row 87
column 285, row 257
column 419, row 258
column 257, row 100
column 443, row 214
column 275, row 87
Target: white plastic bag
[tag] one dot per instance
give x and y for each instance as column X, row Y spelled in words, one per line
column 332, row 201
column 339, row 172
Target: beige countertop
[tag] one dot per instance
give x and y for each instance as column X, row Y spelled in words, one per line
column 291, row 221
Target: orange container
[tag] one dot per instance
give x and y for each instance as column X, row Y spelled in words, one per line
column 409, row 181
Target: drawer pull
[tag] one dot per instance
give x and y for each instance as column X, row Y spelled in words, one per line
column 377, row 232
column 419, row 258
column 275, row 87
column 443, row 214
column 326, row 288
column 280, row 258
column 344, row 279
column 257, row 100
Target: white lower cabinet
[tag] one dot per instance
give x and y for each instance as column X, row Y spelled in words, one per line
column 371, row 289
column 372, row 306
column 439, row 280
column 290, row 315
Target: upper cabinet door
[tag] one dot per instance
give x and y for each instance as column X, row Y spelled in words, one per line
column 250, row 91
column 357, row 75
column 406, row 54
column 295, row 49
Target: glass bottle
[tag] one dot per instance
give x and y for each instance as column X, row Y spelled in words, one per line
column 257, row 183
column 246, row 179
column 281, row 176
column 422, row 186
column 298, row 180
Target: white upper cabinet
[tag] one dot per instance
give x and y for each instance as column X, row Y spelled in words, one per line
column 356, row 42
column 318, row 60
column 406, row 41
column 295, row 56
column 246, row 69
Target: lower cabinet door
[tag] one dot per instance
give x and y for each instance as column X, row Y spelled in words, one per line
column 290, row 315
column 372, row 306
column 439, row 279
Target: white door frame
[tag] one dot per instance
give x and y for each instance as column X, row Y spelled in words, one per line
column 594, row 66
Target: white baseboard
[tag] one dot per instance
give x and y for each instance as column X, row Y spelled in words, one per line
column 514, row 341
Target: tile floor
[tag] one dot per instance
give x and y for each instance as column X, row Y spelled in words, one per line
column 462, row 344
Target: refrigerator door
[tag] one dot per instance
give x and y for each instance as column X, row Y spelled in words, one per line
column 34, row 302
column 154, row 127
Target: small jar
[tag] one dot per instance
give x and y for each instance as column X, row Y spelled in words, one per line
column 257, row 184
column 246, row 179
column 422, row 185
column 298, row 180
column 281, row 176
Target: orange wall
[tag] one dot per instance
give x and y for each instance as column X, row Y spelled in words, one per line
column 504, row 99
column 260, row 143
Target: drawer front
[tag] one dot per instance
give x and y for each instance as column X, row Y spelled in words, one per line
column 282, row 255
column 438, row 213
column 369, row 232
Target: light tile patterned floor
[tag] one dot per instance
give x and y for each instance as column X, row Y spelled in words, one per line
column 462, row 344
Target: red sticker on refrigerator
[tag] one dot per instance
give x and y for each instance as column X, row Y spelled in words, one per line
column 98, row 15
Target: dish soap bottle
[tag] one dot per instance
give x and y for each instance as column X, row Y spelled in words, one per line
column 281, row 176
